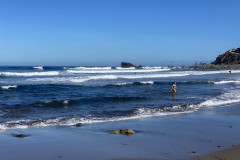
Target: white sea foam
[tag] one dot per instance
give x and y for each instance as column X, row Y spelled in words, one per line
column 139, row 76
column 8, row 87
column 28, row 74
column 68, row 121
column 166, row 68
column 147, row 82
column 116, row 71
column 67, row 80
column 131, row 68
column 229, row 97
column 65, row 102
column 91, row 68
column 122, row 83
column 39, row 67
column 58, row 80
column 81, row 79
column 229, row 81
column 210, row 72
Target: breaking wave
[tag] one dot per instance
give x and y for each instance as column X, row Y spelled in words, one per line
column 228, row 81
column 91, row 68
column 38, row 68
column 8, row 87
column 29, row 74
column 116, row 71
column 229, row 97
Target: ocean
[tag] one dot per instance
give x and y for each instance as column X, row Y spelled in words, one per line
column 36, row 96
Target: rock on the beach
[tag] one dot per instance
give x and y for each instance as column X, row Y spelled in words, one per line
column 127, row 132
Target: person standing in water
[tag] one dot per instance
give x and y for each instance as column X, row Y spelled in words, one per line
column 174, row 86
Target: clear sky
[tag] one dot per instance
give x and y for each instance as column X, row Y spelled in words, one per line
column 106, row 32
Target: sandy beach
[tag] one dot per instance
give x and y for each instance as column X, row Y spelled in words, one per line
column 171, row 137
column 232, row 153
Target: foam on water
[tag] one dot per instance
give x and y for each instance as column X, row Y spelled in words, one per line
column 68, row 121
column 29, row 74
column 81, row 79
column 91, row 68
column 229, row 97
column 38, row 68
column 8, row 87
column 117, row 71
column 120, row 68
column 147, row 82
column 122, row 83
column 227, row 81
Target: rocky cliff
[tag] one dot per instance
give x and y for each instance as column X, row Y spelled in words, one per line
column 231, row 57
column 229, row 60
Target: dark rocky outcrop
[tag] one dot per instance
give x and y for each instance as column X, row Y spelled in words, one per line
column 19, row 135
column 79, row 125
column 127, row 132
column 127, row 65
column 229, row 60
column 230, row 57
column 130, row 65
column 216, row 67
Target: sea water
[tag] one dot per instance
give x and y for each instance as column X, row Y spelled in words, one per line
column 39, row 96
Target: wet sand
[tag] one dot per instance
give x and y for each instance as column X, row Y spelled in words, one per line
column 228, row 154
column 232, row 153
column 172, row 137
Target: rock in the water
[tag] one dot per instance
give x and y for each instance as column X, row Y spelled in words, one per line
column 127, row 132
column 139, row 67
column 78, row 125
column 130, row 65
column 113, row 67
column 127, row 65
column 19, row 135
column 230, row 57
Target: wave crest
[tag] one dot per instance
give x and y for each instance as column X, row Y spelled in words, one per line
column 29, row 74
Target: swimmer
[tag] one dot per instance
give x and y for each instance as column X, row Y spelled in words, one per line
column 174, row 86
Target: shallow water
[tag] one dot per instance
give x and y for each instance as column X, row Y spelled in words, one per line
column 51, row 96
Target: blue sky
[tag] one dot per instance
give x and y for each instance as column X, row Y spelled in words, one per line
column 106, row 32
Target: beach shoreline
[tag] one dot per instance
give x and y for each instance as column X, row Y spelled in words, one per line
column 172, row 137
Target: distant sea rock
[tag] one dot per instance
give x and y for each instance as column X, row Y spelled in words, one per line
column 127, row 65
column 231, row 57
column 130, row 65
